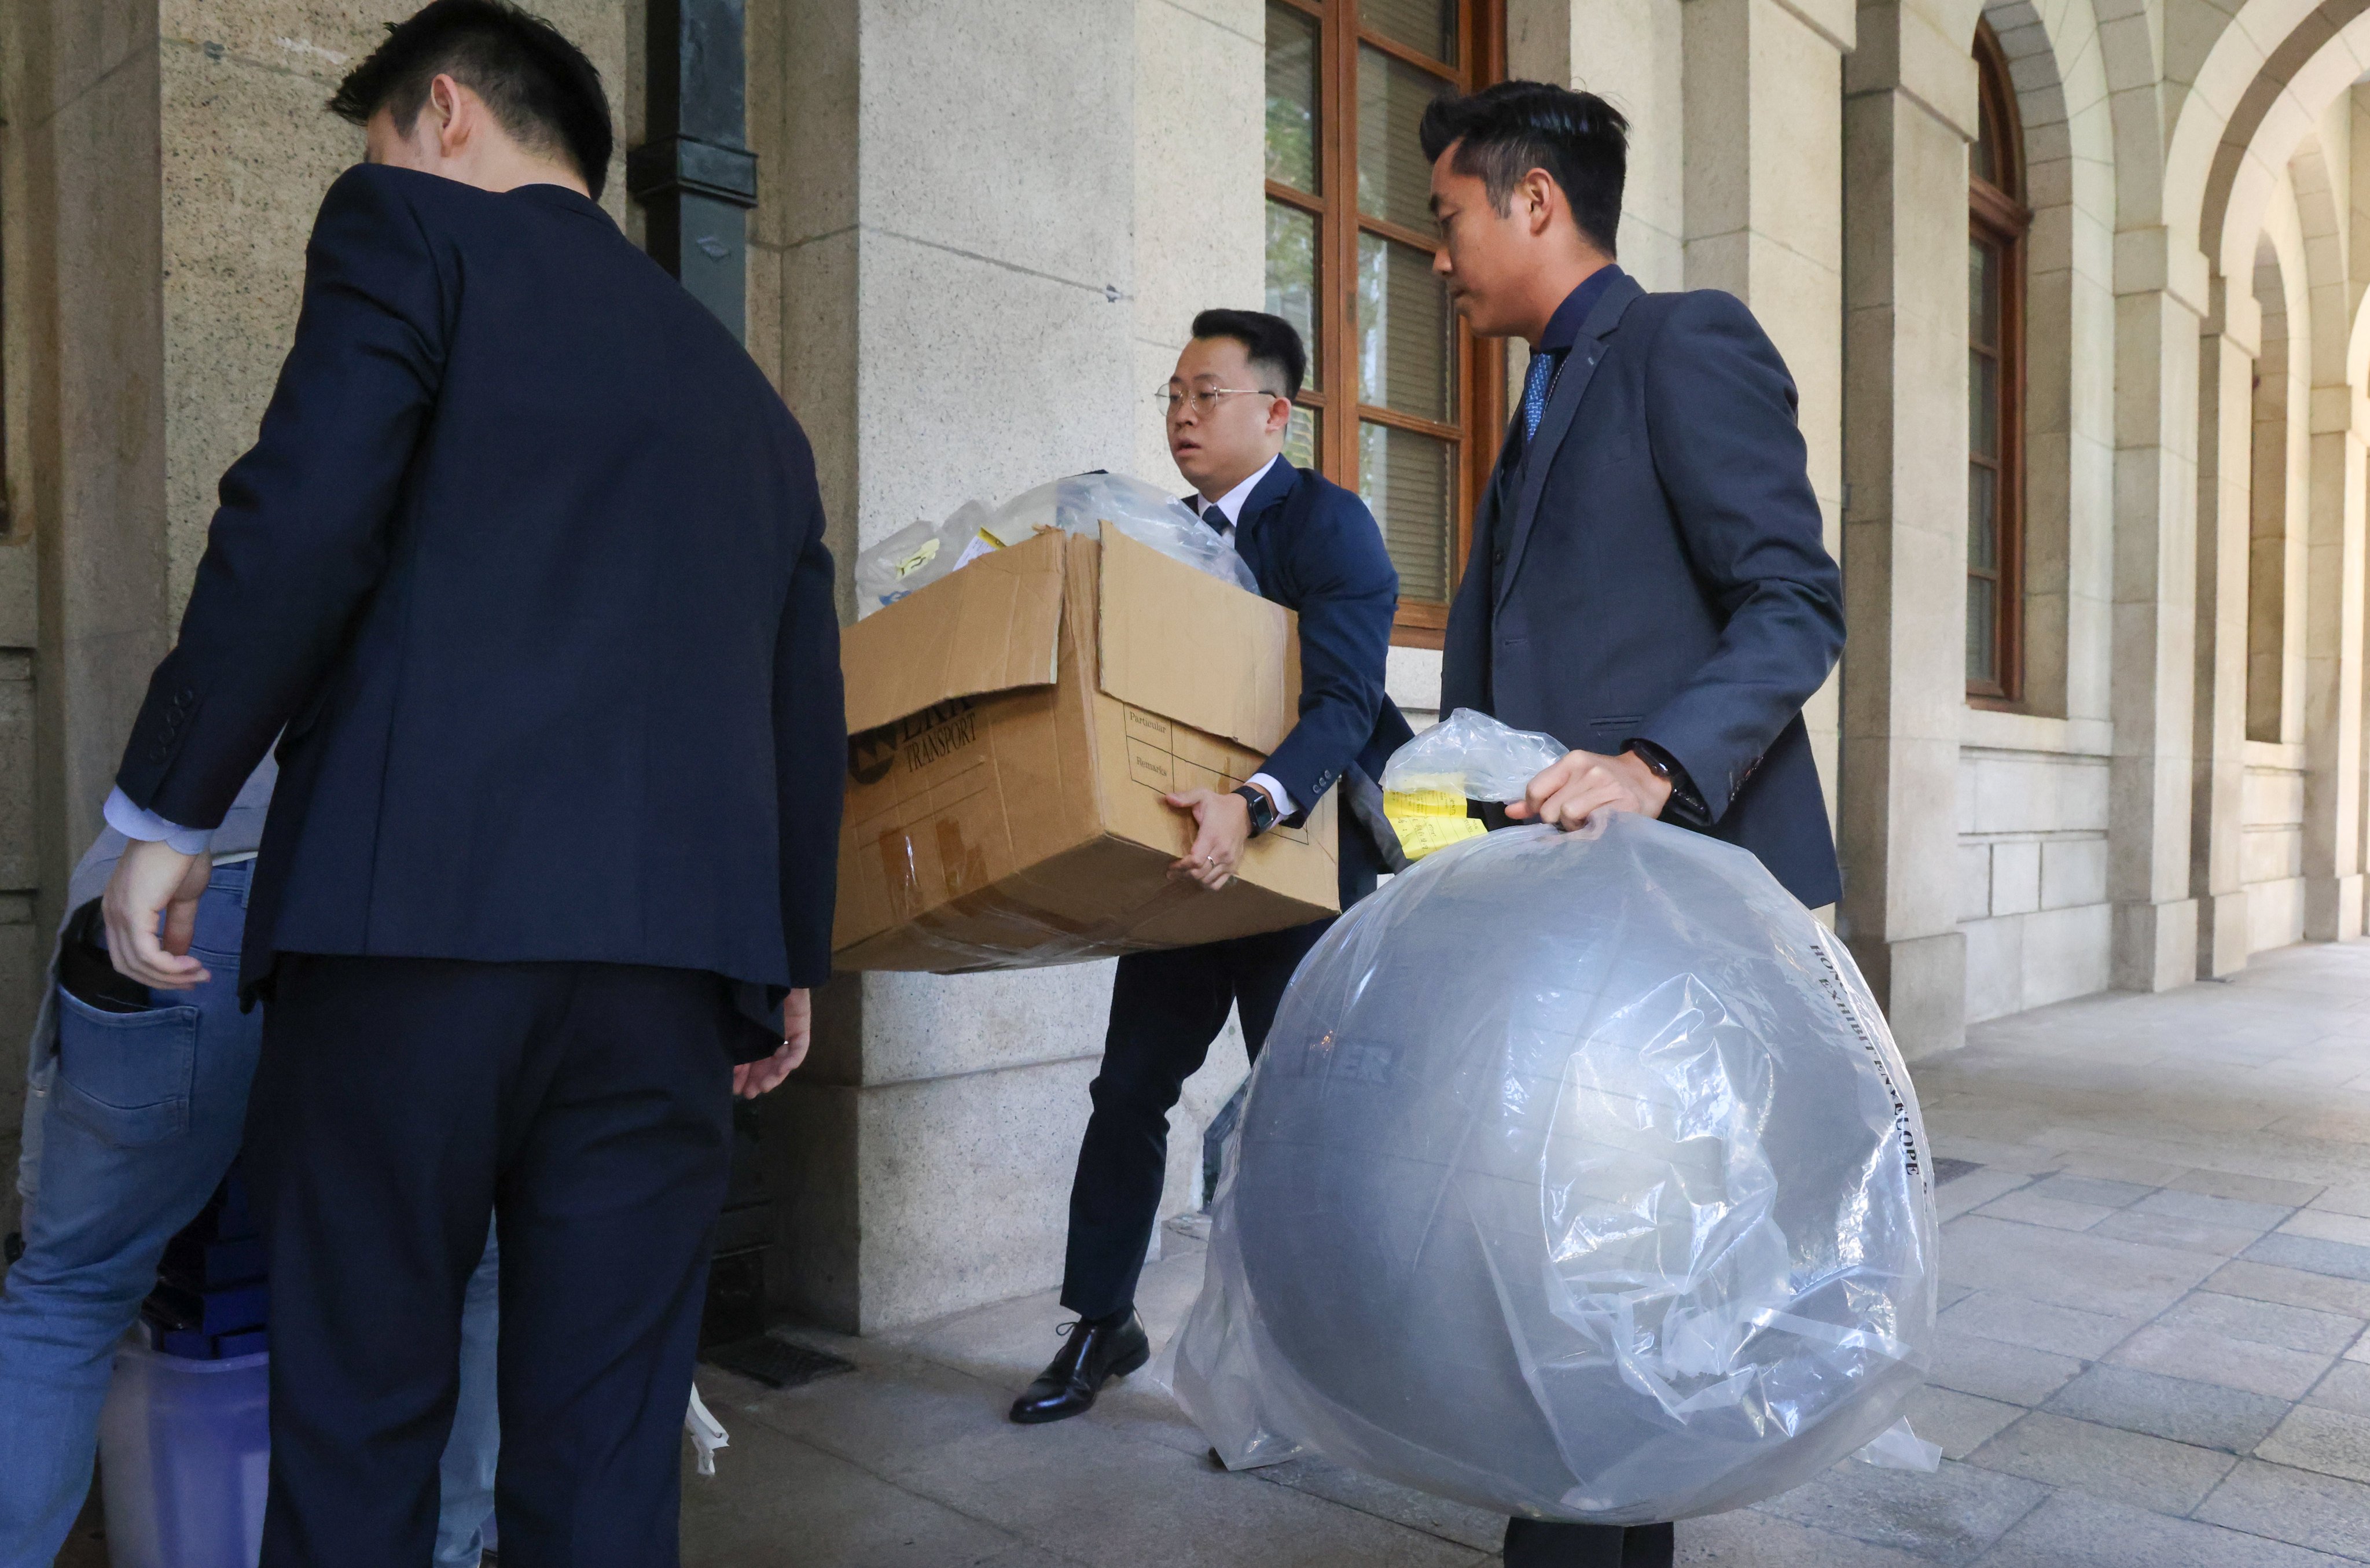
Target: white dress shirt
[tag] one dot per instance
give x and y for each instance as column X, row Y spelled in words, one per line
column 1229, row 507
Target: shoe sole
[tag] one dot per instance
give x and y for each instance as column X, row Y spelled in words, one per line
column 1133, row 1363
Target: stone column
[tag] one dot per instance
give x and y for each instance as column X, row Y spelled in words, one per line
column 2332, row 671
column 81, row 560
column 945, row 233
column 2226, row 353
column 1909, row 106
column 1629, row 53
column 2158, row 303
column 1763, row 109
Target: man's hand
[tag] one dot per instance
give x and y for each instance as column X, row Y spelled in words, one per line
column 1223, row 826
column 155, row 882
column 1569, row 791
column 750, row 1078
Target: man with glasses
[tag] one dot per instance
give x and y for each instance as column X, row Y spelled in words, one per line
column 1315, row 548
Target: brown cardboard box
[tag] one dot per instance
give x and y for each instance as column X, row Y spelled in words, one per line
column 1013, row 728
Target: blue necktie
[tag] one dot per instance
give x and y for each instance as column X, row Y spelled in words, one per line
column 1536, row 382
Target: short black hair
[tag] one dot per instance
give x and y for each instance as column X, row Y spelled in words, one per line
column 1501, row 134
column 540, row 87
column 1270, row 341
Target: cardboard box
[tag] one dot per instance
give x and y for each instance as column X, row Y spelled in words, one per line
column 1012, row 730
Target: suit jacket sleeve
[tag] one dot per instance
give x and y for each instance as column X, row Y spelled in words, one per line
column 1720, row 419
column 1348, row 594
column 810, row 737
column 302, row 536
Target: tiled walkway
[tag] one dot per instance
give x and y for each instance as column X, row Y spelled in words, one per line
column 2158, row 1264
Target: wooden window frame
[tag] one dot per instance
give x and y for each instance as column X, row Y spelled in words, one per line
column 1996, row 215
column 1480, row 374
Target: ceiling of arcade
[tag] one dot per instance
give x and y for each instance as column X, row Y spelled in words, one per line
column 2262, row 84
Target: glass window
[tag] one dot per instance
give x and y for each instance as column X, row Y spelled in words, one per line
column 1350, row 240
column 1997, row 221
column 1427, row 25
column 1292, row 99
column 1407, row 331
column 1292, row 276
column 1405, row 479
column 1394, row 176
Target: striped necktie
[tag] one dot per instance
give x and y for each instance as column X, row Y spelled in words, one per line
column 1538, row 381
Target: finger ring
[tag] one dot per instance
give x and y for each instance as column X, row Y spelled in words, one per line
column 1209, row 860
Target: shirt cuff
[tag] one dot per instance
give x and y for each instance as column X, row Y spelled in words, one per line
column 148, row 828
column 1276, row 792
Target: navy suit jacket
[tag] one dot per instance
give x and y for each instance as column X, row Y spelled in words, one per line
column 526, row 569
column 1316, row 550
column 1664, row 575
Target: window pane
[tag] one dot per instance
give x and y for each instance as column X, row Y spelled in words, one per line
column 1983, row 519
column 1982, row 623
column 1427, row 25
column 1292, row 273
column 1407, row 347
column 1405, row 480
column 1300, row 437
column 1394, row 181
column 1292, row 99
column 1983, row 406
column 1983, row 294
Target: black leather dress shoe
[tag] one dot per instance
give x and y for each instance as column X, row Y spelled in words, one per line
column 1099, row 1349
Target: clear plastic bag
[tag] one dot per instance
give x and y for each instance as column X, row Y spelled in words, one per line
column 919, row 554
column 1467, row 756
column 1082, row 503
column 1580, row 1179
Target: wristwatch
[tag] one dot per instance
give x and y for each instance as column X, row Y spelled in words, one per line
column 1262, row 808
column 1685, row 807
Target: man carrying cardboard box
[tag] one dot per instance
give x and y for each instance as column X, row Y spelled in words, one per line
column 1317, row 550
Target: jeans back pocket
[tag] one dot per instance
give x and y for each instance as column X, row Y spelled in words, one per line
column 126, row 1077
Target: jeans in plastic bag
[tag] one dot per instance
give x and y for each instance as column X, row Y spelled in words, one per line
column 1580, row 1179
column 1467, row 756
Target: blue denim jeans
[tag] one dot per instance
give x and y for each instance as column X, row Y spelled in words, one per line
column 139, row 1115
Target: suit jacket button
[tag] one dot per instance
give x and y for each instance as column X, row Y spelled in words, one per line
column 158, row 754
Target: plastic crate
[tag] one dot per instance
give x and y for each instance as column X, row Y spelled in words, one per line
column 186, row 1448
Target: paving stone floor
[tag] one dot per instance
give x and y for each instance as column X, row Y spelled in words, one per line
column 2156, row 1256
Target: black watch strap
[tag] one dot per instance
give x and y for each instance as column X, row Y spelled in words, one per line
column 1686, row 806
column 1262, row 808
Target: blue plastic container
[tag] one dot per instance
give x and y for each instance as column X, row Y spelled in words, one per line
column 186, row 1448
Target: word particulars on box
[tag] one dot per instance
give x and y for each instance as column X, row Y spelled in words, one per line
column 1012, row 730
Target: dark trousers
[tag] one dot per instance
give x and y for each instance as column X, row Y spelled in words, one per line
column 588, row 1107
column 1166, row 1009
column 1530, row 1544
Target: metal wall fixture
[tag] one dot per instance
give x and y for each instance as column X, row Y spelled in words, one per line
column 695, row 177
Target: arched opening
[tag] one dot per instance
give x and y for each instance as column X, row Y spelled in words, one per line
column 1997, row 224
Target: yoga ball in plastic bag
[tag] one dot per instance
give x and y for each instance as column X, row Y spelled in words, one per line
column 1580, row 1179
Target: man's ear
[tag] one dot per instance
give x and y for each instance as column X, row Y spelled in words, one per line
column 1279, row 414
column 454, row 123
column 1539, row 198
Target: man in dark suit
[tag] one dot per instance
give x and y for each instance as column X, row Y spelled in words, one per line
column 525, row 570
column 1647, row 582
column 1314, row 548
